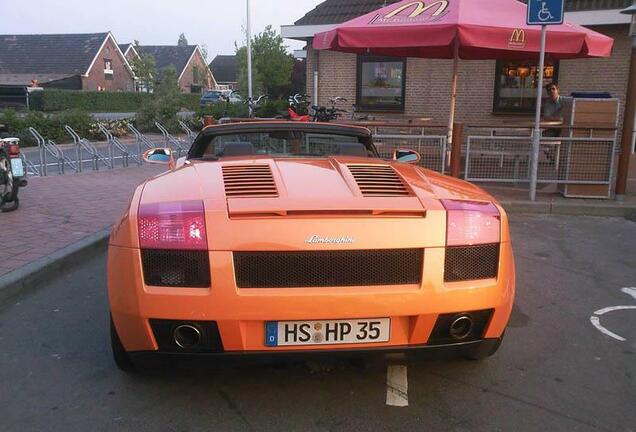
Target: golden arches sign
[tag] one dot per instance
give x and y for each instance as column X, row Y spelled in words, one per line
column 518, row 36
column 420, row 8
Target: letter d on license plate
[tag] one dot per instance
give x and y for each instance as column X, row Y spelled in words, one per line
column 327, row 332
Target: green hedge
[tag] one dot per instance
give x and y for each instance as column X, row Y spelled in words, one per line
column 51, row 126
column 52, row 100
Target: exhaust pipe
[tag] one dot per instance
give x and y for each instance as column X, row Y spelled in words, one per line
column 187, row 336
column 461, row 327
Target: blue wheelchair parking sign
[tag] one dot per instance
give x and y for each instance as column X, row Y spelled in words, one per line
column 545, row 12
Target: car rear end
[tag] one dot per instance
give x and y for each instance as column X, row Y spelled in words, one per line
column 276, row 275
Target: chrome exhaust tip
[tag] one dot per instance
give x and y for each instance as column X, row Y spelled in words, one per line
column 461, row 327
column 186, row 336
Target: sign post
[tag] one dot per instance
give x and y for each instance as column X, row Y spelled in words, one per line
column 543, row 13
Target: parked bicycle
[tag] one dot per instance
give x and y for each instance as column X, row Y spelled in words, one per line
column 253, row 105
column 297, row 104
column 327, row 114
column 228, row 97
column 12, row 174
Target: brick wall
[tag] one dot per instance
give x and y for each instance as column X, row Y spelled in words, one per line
column 428, row 81
column 122, row 79
column 206, row 79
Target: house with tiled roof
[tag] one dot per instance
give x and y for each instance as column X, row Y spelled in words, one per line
column 193, row 73
column 487, row 88
column 91, row 61
column 225, row 70
column 129, row 51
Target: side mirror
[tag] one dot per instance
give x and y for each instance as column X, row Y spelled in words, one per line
column 159, row 156
column 406, row 156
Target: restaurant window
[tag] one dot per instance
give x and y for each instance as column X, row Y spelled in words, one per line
column 516, row 84
column 381, row 83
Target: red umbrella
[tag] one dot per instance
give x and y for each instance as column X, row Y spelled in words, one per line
column 466, row 29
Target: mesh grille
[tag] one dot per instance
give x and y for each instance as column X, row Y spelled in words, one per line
column 328, row 268
column 378, row 180
column 176, row 268
column 471, row 262
column 249, row 181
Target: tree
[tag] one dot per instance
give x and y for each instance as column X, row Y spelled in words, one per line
column 144, row 69
column 164, row 105
column 271, row 64
column 204, row 51
column 182, row 40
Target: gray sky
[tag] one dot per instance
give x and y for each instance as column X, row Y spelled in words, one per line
column 216, row 24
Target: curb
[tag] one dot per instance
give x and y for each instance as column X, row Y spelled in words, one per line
column 28, row 277
column 571, row 208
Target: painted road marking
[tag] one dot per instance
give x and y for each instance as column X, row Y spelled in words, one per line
column 630, row 291
column 397, row 386
column 596, row 321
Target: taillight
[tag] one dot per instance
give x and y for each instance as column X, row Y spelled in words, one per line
column 172, row 225
column 14, row 150
column 471, row 223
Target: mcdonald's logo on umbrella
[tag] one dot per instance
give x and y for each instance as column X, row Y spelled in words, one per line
column 517, row 39
column 417, row 8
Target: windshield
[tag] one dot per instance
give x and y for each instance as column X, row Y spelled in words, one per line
column 286, row 143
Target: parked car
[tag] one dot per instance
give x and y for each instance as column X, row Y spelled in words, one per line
column 275, row 238
column 210, row 97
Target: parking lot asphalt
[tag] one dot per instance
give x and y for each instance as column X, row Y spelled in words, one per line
column 555, row 371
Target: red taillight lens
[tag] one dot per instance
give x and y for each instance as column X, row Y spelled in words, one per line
column 14, row 150
column 172, row 225
column 471, row 223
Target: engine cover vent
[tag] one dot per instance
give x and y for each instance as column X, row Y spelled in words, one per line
column 378, row 180
column 249, row 181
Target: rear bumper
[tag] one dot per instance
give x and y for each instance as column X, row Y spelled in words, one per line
column 480, row 348
column 241, row 313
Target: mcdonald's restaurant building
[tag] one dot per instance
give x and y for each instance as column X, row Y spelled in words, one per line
column 489, row 91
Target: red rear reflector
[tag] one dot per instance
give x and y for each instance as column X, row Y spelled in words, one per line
column 471, row 223
column 172, row 225
column 14, row 150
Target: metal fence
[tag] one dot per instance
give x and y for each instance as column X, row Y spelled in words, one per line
column 566, row 160
column 432, row 148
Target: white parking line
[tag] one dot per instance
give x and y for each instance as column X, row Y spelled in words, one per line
column 596, row 320
column 630, row 291
column 397, row 386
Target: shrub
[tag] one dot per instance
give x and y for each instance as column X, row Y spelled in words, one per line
column 51, row 126
column 52, row 100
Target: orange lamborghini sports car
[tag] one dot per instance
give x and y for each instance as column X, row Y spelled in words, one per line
column 297, row 238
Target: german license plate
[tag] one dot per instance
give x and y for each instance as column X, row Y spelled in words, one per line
column 17, row 167
column 327, row 332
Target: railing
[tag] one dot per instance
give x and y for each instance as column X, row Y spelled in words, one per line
column 190, row 135
column 115, row 145
column 432, row 148
column 142, row 140
column 51, row 148
column 564, row 160
column 171, row 141
column 31, row 168
column 83, row 145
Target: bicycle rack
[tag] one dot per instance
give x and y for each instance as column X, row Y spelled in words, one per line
column 189, row 134
column 171, row 141
column 50, row 147
column 31, row 168
column 82, row 144
column 115, row 144
column 142, row 140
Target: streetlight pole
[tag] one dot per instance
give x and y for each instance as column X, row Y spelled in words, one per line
column 630, row 113
column 249, row 54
